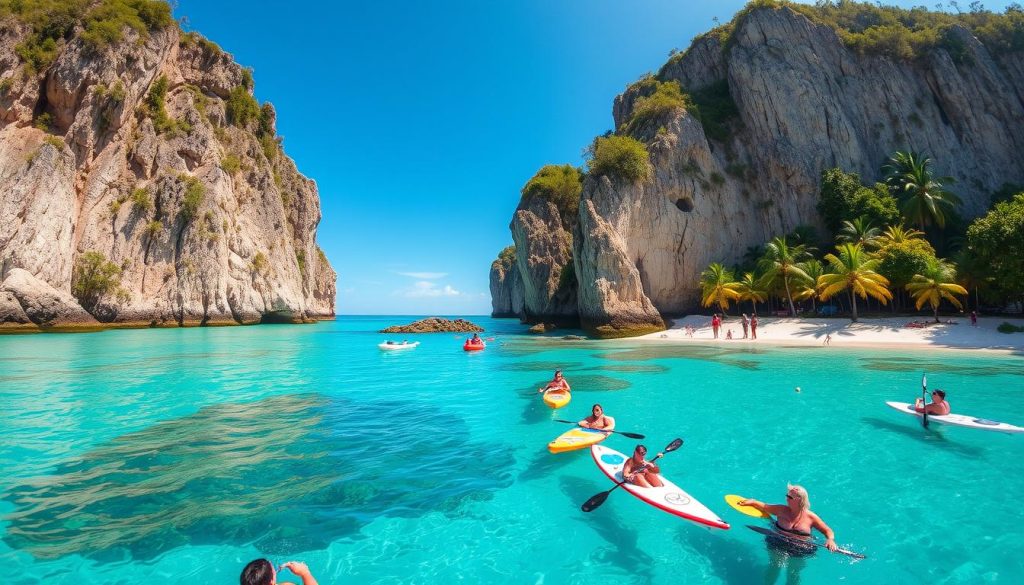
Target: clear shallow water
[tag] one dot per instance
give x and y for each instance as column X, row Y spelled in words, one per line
column 162, row 455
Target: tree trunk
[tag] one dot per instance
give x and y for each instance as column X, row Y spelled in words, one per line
column 853, row 304
column 789, row 297
column 935, row 311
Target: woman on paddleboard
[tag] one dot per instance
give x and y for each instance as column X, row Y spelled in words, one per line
column 938, row 407
column 597, row 420
column 794, row 519
column 639, row 471
column 556, row 383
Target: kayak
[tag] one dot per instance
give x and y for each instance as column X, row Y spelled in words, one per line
column 391, row 346
column 959, row 420
column 473, row 346
column 667, row 498
column 577, row 438
column 557, row 398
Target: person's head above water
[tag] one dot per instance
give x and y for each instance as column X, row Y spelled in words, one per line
column 941, row 394
column 596, row 410
column 258, row 572
column 797, row 495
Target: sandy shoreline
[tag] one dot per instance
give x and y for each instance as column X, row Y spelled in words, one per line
column 870, row 332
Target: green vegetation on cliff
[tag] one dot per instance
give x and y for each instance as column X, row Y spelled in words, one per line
column 666, row 97
column 95, row 278
column 506, row 259
column 898, row 33
column 559, row 184
column 618, row 156
column 843, row 197
column 104, row 23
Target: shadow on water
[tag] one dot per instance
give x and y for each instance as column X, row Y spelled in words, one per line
column 548, row 367
column 624, row 552
column 545, row 464
column 732, row 560
column 631, row 368
column 598, row 383
column 929, row 435
column 534, row 409
column 904, row 364
column 288, row 474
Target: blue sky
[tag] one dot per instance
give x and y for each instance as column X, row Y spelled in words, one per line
column 420, row 121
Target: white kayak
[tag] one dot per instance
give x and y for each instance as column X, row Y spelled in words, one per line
column 668, row 498
column 959, row 420
column 392, row 346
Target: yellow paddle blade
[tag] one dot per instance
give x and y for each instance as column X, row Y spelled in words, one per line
column 734, row 500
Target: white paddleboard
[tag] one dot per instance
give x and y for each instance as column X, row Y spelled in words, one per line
column 959, row 420
column 668, row 498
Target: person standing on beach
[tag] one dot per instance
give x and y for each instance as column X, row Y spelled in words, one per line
column 753, row 327
column 715, row 324
column 261, row 572
column 974, row 318
column 746, row 325
column 828, row 339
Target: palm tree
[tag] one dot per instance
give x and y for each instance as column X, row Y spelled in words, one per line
column 807, row 289
column 784, row 261
column 937, row 282
column 924, row 199
column 718, row 286
column 859, row 231
column 853, row 269
column 752, row 289
column 898, row 234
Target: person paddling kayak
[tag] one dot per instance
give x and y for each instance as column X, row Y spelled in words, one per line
column 556, row 383
column 598, row 420
column 794, row 519
column 639, row 471
column 938, row 407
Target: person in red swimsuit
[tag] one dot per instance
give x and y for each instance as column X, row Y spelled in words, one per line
column 556, row 383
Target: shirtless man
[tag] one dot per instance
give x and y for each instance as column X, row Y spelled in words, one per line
column 939, row 406
column 598, row 420
column 261, row 572
column 639, row 471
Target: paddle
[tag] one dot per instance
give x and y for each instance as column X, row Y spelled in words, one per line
column 630, row 435
column 597, row 499
column 924, row 400
column 799, row 541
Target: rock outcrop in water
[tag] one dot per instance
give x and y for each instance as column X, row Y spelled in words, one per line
column 782, row 99
column 435, row 325
column 148, row 152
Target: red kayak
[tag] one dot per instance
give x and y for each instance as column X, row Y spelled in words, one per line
column 473, row 346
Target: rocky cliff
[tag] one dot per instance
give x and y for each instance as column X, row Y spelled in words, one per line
column 777, row 96
column 141, row 183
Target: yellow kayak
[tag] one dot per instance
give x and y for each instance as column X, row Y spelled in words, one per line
column 557, row 398
column 577, row 438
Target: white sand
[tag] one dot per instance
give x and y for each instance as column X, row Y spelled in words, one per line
column 872, row 332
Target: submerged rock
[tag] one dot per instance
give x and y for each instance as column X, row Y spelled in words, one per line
column 435, row 325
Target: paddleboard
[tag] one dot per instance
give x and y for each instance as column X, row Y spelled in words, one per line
column 801, row 542
column 557, row 398
column 734, row 501
column 577, row 438
column 667, row 498
column 397, row 346
column 959, row 420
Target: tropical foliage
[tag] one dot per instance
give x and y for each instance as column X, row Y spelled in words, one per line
column 853, row 270
column 559, row 184
column 784, row 262
column 924, row 199
column 618, row 156
column 718, row 287
column 936, row 282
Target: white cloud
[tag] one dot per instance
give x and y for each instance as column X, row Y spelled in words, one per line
column 424, row 275
column 425, row 288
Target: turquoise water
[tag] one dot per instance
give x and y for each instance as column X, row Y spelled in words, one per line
column 154, row 456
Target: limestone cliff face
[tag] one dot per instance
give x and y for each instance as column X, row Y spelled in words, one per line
column 506, row 289
column 805, row 102
column 543, row 255
column 206, row 218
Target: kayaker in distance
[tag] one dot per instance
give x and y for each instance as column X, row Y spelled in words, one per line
column 795, row 519
column 639, row 471
column 476, row 340
column 597, row 420
column 261, row 572
column 939, row 406
column 556, row 383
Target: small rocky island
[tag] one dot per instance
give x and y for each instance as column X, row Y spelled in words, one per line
column 435, row 325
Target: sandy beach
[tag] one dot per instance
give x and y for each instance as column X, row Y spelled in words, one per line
column 956, row 333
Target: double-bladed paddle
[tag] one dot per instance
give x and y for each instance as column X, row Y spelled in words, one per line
column 598, row 499
column 924, row 400
column 630, row 435
column 799, row 541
